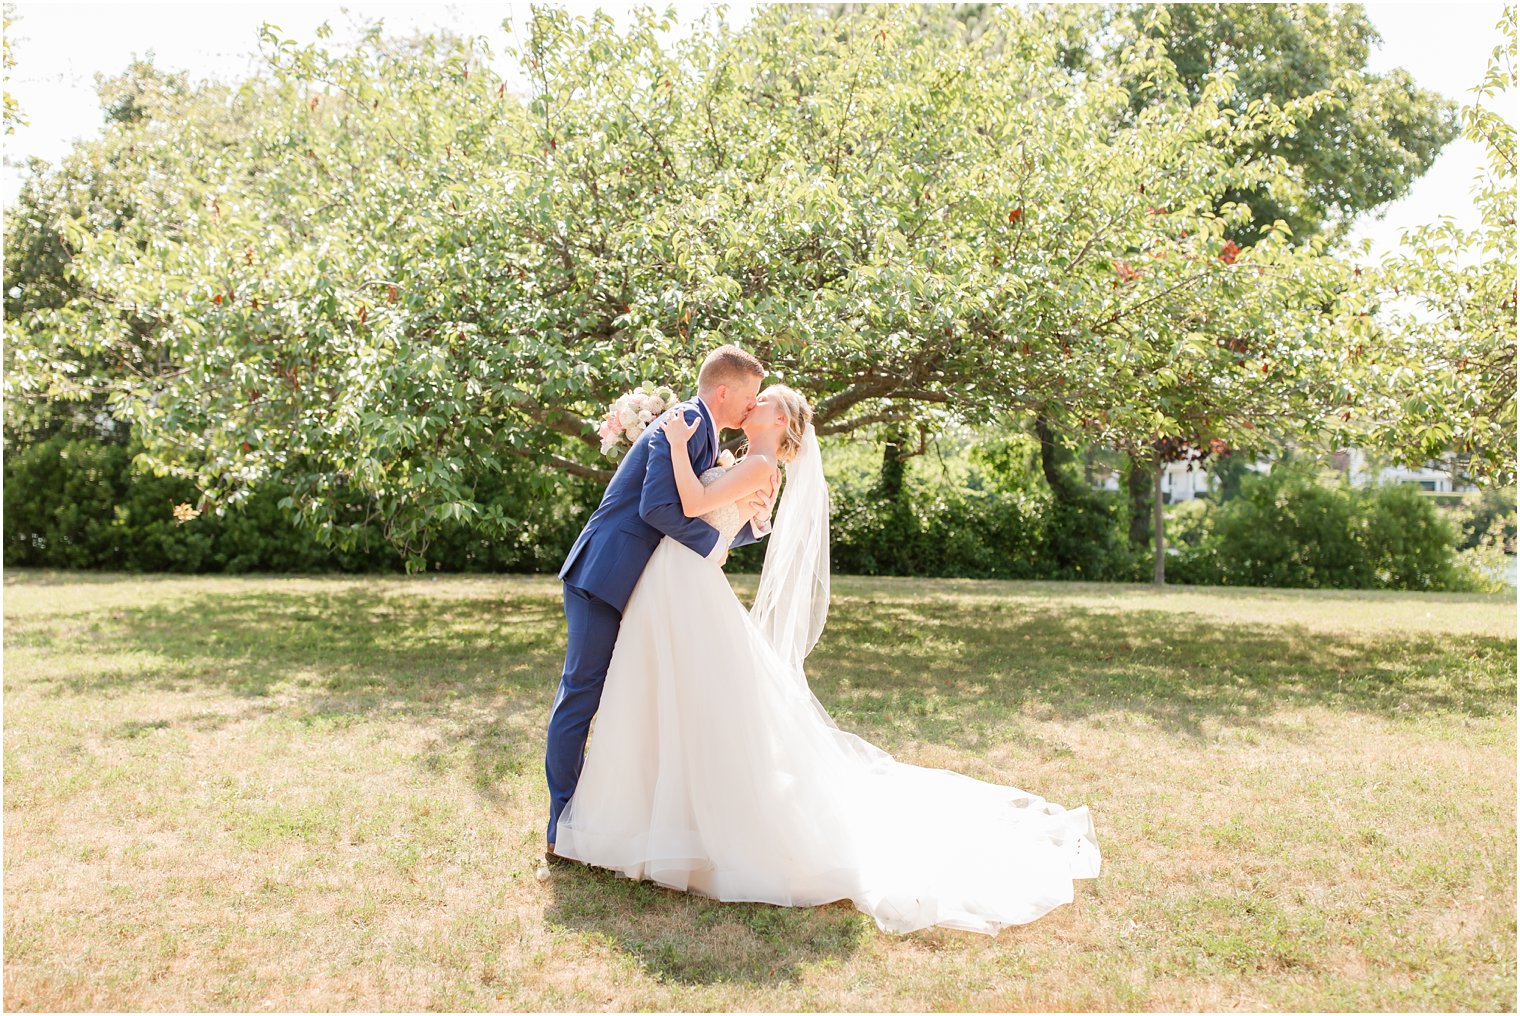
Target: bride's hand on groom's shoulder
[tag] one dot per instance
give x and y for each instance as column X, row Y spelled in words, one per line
column 678, row 431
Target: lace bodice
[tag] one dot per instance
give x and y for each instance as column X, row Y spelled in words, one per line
column 726, row 519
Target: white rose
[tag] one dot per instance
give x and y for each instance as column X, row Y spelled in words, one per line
column 726, row 459
column 645, row 416
column 627, row 416
column 652, row 404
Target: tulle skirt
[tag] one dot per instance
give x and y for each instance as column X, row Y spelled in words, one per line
column 714, row 770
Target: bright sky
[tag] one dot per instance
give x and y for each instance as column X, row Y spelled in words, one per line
column 60, row 47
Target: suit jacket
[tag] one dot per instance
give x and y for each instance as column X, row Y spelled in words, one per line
column 640, row 506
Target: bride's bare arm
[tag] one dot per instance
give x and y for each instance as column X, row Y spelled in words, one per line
column 687, row 485
column 751, row 509
column 748, row 476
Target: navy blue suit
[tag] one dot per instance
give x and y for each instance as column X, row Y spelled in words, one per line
column 640, row 506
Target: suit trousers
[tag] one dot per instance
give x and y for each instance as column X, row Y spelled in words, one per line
column 593, row 629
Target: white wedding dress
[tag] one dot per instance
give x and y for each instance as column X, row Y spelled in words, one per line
column 713, row 769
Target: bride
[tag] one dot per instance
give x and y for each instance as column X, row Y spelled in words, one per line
column 714, row 770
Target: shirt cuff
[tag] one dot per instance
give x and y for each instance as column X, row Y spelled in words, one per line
column 719, row 553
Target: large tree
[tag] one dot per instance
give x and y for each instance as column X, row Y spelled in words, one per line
column 1438, row 337
column 1358, row 140
column 1359, row 144
column 1365, row 139
column 1361, row 141
column 97, row 186
column 379, row 270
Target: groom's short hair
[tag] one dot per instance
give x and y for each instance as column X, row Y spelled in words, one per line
column 727, row 365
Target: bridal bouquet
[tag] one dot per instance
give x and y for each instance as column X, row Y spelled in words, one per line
column 627, row 417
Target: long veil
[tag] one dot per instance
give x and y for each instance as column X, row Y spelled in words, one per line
column 792, row 601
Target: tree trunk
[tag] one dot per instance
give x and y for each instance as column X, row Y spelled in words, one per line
column 1160, row 518
column 1053, row 455
column 1137, row 481
column 893, row 465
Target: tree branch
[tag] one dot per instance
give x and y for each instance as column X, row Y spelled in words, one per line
column 555, row 419
column 565, row 465
column 845, row 426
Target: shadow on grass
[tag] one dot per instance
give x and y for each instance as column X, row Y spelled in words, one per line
column 940, row 668
column 926, row 670
column 688, row 939
column 486, row 667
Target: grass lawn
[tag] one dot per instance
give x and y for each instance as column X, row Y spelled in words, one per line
column 328, row 793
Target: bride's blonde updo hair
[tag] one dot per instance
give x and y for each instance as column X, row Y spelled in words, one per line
column 798, row 415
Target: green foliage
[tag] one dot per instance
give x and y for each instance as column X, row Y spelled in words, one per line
column 1190, row 523
column 93, row 187
column 1408, row 542
column 974, row 505
column 983, row 512
column 1481, row 511
column 11, row 116
column 73, row 502
column 1191, row 544
column 1287, row 529
column 1357, row 140
column 1487, row 557
column 1361, row 139
column 378, row 271
column 1086, row 537
column 1441, row 332
column 1227, row 472
column 932, row 530
column 1004, row 462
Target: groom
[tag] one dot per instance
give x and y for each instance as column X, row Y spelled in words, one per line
column 640, row 506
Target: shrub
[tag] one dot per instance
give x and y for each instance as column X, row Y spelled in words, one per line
column 947, row 531
column 1287, row 529
column 1191, row 544
column 938, row 531
column 73, row 502
column 1478, row 512
column 1483, row 568
column 1406, row 542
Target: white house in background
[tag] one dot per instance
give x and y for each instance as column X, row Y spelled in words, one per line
column 1436, row 480
column 1179, row 484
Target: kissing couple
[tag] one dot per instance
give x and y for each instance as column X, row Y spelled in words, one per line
column 714, row 770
